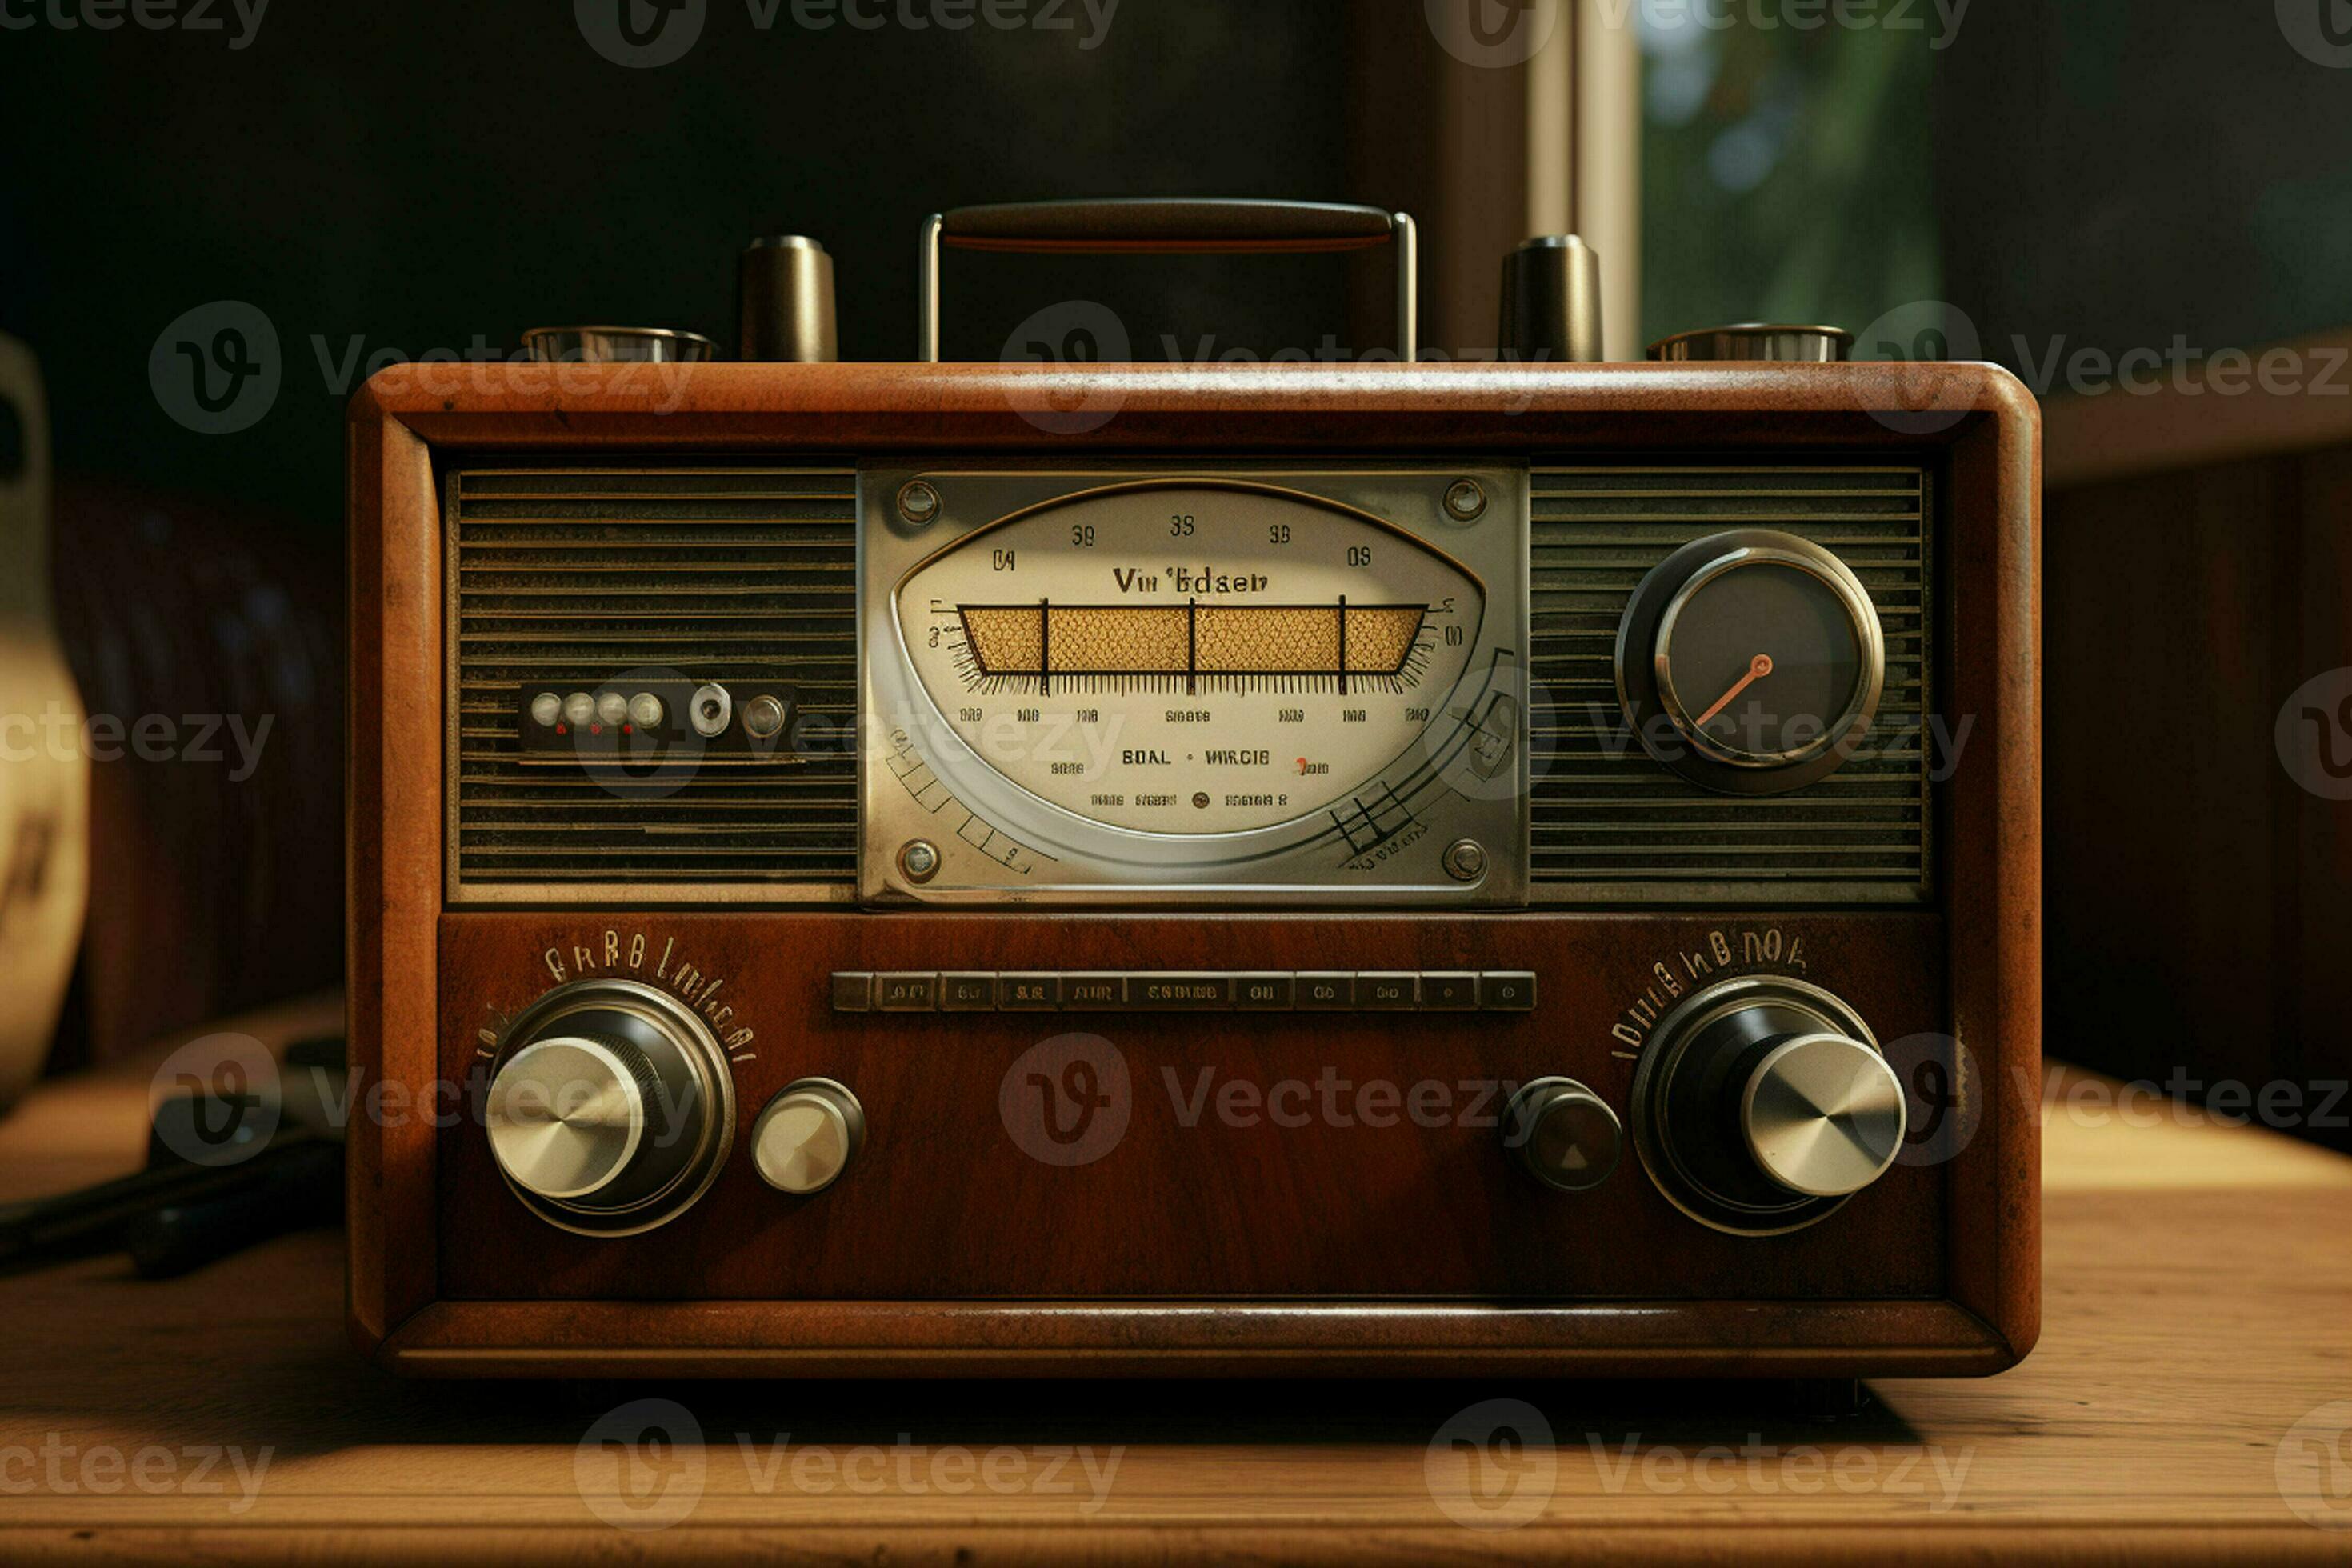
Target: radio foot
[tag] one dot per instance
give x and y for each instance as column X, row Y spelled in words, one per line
column 1826, row 1398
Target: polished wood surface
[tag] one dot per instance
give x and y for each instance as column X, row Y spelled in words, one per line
column 429, row 1243
column 1384, row 411
column 2192, row 1323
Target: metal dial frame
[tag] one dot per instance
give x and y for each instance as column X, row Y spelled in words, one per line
column 1463, row 774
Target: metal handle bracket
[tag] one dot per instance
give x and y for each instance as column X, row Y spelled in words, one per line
column 1152, row 226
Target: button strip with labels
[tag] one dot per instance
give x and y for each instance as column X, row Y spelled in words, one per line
column 1275, row 991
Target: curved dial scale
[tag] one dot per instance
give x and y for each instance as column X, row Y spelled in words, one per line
column 1191, row 660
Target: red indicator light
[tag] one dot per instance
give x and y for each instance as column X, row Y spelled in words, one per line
column 595, row 729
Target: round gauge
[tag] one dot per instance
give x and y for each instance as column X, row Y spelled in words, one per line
column 1190, row 658
column 1751, row 662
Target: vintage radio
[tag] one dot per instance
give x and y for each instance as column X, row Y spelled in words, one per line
column 973, row 869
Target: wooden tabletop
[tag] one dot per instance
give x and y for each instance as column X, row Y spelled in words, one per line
column 2191, row 1398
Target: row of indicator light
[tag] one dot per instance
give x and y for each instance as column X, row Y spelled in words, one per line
column 549, row 711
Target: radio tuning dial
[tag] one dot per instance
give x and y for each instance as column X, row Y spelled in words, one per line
column 1761, row 1105
column 610, row 1106
column 1822, row 1115
column 568, row 1114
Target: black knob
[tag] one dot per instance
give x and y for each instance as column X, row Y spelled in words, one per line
column 1762, row 1104
column 1552, row 302
column 785, row 302
column 610, row 1108
column 1563, row 1134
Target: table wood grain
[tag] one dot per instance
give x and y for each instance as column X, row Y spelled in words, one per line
column 2198, row 1308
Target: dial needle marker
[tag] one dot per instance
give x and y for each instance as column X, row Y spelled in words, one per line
column 1757, row 668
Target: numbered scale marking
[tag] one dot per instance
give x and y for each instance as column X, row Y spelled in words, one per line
column 1191, row 660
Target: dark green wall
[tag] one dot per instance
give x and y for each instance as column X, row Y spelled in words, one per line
column 2118, row 172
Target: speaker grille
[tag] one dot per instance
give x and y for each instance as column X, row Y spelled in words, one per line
column 577, row 579
column 1613, row 826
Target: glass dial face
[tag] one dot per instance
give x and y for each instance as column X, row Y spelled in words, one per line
column 1188, row 659
column 1761, row 662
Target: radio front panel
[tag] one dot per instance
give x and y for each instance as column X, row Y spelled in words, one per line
column 1227, row 685
column 1427, row 873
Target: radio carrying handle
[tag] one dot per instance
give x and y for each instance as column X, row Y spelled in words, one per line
column 1170, row 227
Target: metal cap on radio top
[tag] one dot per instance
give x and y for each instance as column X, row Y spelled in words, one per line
column 1757, row 340
column 617, row 345
column 785, row 302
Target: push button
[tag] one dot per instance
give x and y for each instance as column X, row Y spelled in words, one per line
column 1388, row 993
column 1327, row 993
column 1262, row 993
column 967, row 993
column 1507, row 991
column 905, row 993
column 1449, row 993
column 1093, row 992
column 1028, row 993
column 1179, row 993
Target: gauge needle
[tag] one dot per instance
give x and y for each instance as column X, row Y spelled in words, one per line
column 1757, row 668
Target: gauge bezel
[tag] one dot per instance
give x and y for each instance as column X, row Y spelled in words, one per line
column 1644, row 663
column 1045, row 853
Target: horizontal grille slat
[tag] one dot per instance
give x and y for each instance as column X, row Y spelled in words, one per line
column 1611, row 824
column 573, row 579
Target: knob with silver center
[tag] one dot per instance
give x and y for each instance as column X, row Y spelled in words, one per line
column 1760, row 1105
column 1822, row 1115
column 611, row 1107
column 807, row 1135
column 567, row 1114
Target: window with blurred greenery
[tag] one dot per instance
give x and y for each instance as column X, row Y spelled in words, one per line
column 1786, row 174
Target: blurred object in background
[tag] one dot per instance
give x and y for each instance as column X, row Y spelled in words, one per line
column 1491, row 126
column 209, row 648
column 44, row 774
column 1786, row 172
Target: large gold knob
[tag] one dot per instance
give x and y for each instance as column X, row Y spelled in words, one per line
column 611, row 1107
column 1762, row 1104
